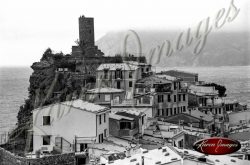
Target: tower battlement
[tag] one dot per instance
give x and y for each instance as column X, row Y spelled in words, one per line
column 86, row 31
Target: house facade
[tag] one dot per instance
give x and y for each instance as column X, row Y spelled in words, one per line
column 54, row 129
column 127, row 124
column 169, row 97
column 120, row 75
column 104, row 96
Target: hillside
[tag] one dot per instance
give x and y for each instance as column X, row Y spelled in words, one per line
column 221, row 49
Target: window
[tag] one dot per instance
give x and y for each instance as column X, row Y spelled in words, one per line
column 171, row 111
column 147, row 69
column 179, row 85
column 142, row 70
column 46, row 140
column 100, row 119
column 130, row 83
column 184, row 109
column 219, row 110
column 107, row 97
column 105, row 74
column 175, row 86
column 46, row 120
column 167, row 112
column 180, row 143
column 181, row 109
column 118, row 74
column 169, row 98
column 158, row 112
column 104, row 118
column 118, row 85
column 174, row 111
column 179, row 97
column 83, row 146
column 160, row 98
column 130, row 74
column 105, row 132
column 174, row 98
column 184, row 97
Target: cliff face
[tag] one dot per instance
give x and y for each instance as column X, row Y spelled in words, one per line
column 47, row 85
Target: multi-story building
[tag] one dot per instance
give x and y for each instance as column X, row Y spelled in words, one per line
column 120, row 75
column 169, row 97
column 69, row 126
column 104, row 96
column 206, row 99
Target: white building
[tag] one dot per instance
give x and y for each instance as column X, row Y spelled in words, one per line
column 69, row 126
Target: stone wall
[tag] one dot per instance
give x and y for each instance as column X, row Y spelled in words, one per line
column 7, row 158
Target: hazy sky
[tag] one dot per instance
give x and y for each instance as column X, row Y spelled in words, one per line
column 28, row 27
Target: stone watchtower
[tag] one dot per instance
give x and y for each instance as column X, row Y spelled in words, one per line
column 86, row 31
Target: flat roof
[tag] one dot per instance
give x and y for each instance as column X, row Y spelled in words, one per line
column 163, row 155
column 115, row 66
column 105, row 90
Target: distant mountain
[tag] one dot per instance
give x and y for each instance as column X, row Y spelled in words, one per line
column 221, row 48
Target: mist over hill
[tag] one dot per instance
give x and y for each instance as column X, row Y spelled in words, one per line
column 221, row 48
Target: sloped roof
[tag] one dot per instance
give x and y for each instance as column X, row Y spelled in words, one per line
column 115, row 66
column 119, row 117
column 198, row 114
column 84, row 105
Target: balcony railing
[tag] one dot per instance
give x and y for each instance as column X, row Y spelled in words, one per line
column 127, row 132
column 132, row 102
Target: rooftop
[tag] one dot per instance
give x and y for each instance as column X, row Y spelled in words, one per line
column 154, row 79
column 115, row 66
column 212, row 159
column 135, row 63
column 105, row 90
column 202, row 90
column 167, row 77
column 162, row 155
column 84, row 105
column 119, row 117
column 178, row 73
column 243, row 136
column 198, row 114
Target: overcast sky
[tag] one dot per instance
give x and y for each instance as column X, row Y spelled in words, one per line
column 28, row 27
